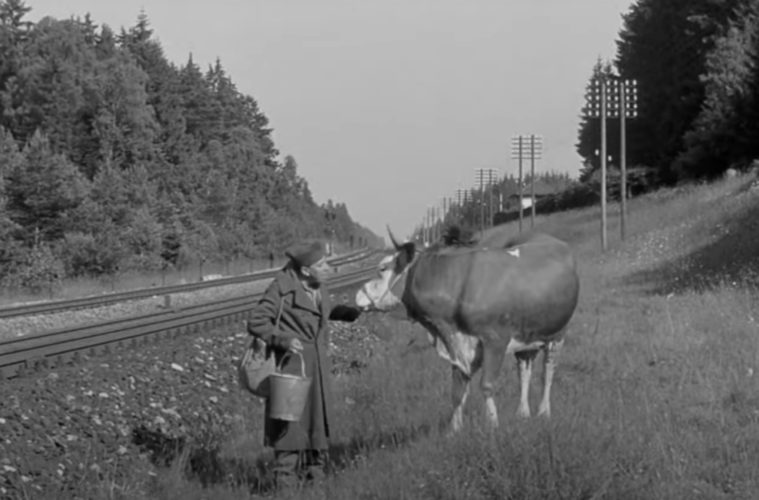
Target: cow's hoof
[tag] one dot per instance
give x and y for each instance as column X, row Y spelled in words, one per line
column 523, row 413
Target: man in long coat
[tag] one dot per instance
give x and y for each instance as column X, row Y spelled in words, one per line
column 297, row 297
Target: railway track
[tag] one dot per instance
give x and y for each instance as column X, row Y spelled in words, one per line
column 35, row 352
column 112, row 298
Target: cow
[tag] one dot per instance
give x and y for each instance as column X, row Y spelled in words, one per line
column 479, row 301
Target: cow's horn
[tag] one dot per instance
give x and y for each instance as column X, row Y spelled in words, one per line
column 392, row 238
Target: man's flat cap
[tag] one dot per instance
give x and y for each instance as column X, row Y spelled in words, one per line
column 307, row 253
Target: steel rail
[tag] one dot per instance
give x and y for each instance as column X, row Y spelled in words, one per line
column 111, row 298
column 44, row 350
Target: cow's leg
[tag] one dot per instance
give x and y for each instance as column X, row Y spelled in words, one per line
column 491, row 366
column 524, row 364
column 459, row 393
column 549, row 366
column 462, row 373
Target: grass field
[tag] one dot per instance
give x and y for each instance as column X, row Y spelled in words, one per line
column 656, row 393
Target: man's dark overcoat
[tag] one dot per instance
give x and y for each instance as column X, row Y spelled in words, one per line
column 304, row 320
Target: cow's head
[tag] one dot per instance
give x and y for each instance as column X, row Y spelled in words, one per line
column 385, row 292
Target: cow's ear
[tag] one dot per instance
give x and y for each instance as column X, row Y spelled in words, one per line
column 409, row 250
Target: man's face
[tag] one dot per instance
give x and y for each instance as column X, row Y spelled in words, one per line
column 317, row 273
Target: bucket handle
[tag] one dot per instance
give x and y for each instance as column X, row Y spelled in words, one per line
column 302, row 362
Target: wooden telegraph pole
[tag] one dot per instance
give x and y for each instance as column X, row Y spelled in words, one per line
column 628, row 100
column 536, row 149
column 597, row 109
column 518, row 154
column 460, row 197
column 610, row 97
column 480, row 177
column 485, row 177
column 604, row 241
column 523, row 147
column 491, row 179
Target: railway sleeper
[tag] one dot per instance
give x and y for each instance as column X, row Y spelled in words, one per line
column 9, row 371
column 66, row 358
column 32, row 364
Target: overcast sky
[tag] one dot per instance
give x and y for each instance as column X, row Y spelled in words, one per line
column 391, row 105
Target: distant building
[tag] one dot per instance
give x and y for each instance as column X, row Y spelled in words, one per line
column 542, row 190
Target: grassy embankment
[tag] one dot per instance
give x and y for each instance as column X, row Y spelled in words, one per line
column 72, row 288
column 656, row 393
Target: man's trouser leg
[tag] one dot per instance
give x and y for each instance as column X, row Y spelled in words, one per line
column 316, row 464
column 286, row 464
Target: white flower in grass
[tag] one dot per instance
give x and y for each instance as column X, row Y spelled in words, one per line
column 171, row 411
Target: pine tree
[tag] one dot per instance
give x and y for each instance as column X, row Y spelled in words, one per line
column 663, row 45
column 42, row 189
column 724, row 132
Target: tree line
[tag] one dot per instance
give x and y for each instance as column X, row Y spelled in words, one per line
column 113, row 158
column 695, row 63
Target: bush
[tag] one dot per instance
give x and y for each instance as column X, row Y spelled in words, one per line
column 40, row 270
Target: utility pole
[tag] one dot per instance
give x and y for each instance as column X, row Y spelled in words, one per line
column 604, row 241
column 480, row 177
column 472, row 201
column 424, row 229
column 431, row 215
column 610, row 97
column 597, row 101
column 485, row 178
column 520, row 148
column 435, row 223
column 431, row 219
column 460, row 201
column 536, row 149
column 521, row 194
column 628, row 103
column 491, row 176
